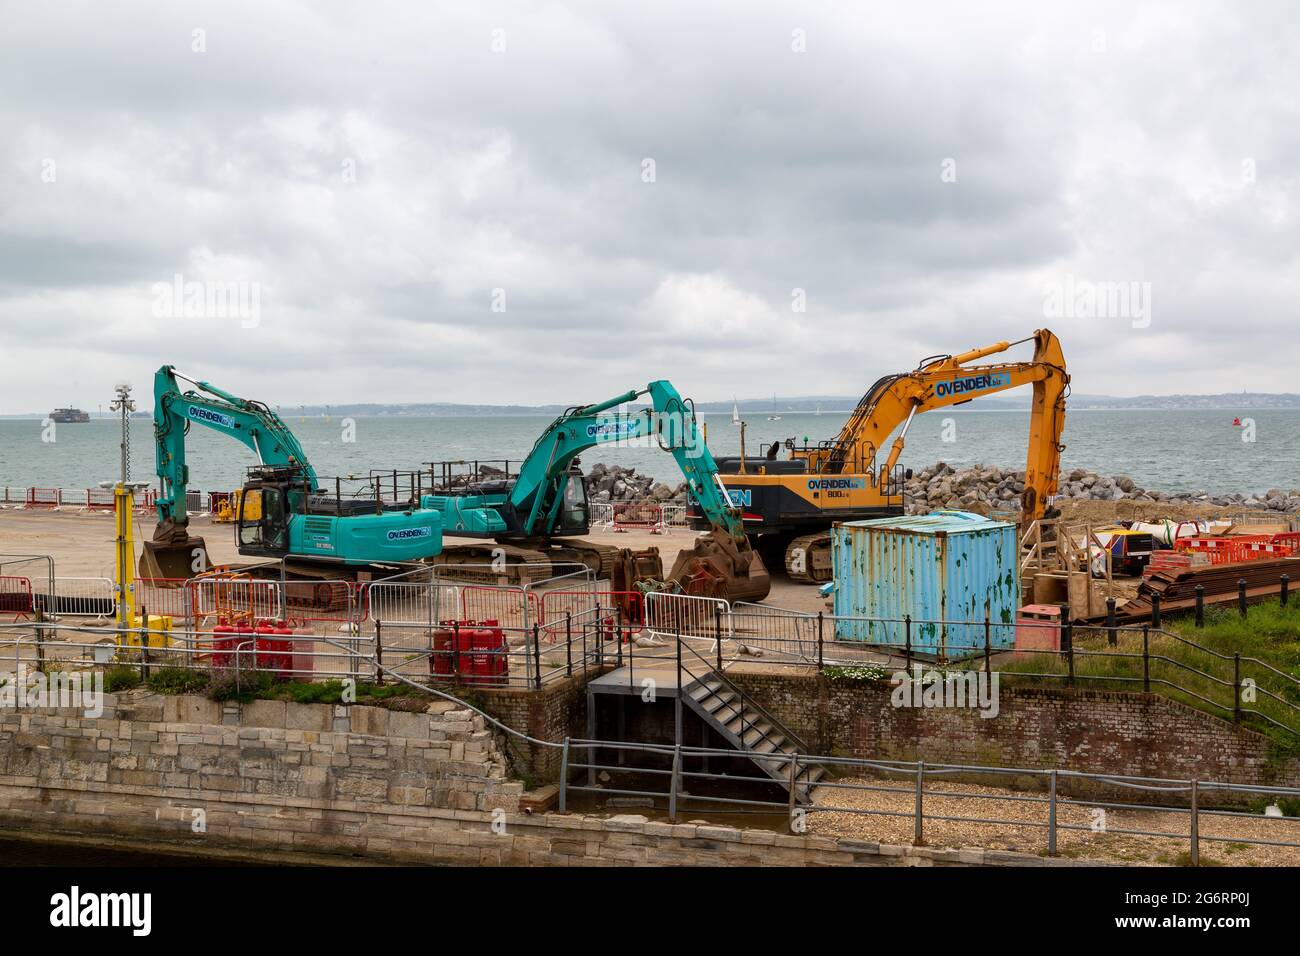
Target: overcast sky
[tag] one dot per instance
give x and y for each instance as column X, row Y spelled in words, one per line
column 642, row 188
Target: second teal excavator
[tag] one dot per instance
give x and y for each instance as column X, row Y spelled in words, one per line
column 537, row 511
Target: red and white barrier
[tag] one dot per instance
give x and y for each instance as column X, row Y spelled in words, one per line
column 639, row 515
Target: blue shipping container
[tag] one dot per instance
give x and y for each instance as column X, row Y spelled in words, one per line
column 947, row 571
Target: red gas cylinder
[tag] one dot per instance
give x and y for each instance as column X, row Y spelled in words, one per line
column 490, row 659
column 224, row 639
column 442, row 659
column 274, row 649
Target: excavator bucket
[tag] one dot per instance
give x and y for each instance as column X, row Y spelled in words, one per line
column 173, row 553
column 720, row 563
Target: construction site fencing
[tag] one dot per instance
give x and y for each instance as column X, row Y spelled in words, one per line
column 16, row 598
column 1188, row 812
column 92, row 597
column 779, row 631
column 638, row 516
column 687, row 615
column 460, row 650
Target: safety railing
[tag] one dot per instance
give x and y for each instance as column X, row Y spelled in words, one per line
column 456, row 649
column 1238, row 687
column 890, row 801
column 684, row 614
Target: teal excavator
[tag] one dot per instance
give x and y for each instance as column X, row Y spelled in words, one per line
column 283, row 511
column 534, row 515
column 532, row 518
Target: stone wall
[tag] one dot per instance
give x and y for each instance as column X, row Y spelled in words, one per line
column 1057, row 728
column 277, row 781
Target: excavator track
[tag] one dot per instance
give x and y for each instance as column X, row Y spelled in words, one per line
column 808, row 558
column 525, row 565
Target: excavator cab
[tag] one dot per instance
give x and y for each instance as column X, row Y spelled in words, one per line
column 574, row 516
column 263, row 524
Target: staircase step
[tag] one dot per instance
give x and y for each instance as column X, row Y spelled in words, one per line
column 748, row 720
column 764, row 743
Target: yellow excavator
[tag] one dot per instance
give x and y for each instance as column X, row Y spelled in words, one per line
column 790, row 503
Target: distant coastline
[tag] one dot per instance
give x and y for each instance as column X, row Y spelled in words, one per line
column 823, row 405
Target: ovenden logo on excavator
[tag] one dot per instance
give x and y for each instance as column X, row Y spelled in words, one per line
column 209, row 417
column 974, row 383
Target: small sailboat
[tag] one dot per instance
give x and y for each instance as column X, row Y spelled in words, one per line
column 735, row 411
column 819, row 409
column 774, row 417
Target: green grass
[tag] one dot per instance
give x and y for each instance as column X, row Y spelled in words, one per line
column 121, row 678
column 1269, row 633
column 177, row 680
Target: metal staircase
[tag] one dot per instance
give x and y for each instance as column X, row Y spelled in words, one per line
column 747, row 726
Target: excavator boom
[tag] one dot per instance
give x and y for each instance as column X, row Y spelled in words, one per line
column 951, row 380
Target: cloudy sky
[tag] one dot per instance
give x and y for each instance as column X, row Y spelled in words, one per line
column 553, row 202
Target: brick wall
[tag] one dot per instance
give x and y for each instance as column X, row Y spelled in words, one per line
column 556, row 711
column 1089, row 731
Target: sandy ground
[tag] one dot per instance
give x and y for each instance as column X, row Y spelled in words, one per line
column 81, row 544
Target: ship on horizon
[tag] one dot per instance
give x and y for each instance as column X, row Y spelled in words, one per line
column 63, row 416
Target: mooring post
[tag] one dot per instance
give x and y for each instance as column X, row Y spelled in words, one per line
column 1241, row 596
column 1155, row 609
column 1200, row 605
column 1112, row 638
column 1282, row 594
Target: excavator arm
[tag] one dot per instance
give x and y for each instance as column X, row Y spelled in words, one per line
column 949, row 380
column 670, row 422
column 173, row 552
column 250, row 423
column 720, row 562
